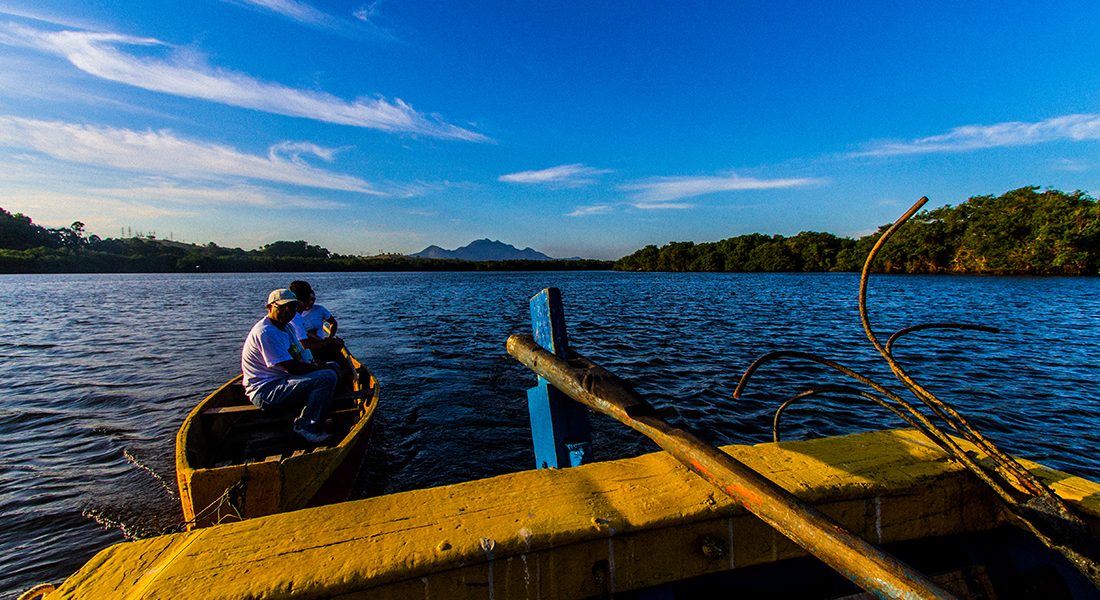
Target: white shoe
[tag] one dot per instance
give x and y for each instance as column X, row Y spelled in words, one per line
column 310, row 436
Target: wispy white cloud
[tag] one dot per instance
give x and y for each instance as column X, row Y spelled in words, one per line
column 43, row 15
column 1072, row 166
column 662, row 205
column 363, row 19
column 184, row 74
column 366, row 13
column 1074, row 128
column 574, row 175
column 292, row 9
column 651, row 192
column 221, row 197
column 595, row 209
column 165, row 154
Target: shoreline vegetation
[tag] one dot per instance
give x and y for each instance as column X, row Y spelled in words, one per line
column 27, row 248
column 1021, row 232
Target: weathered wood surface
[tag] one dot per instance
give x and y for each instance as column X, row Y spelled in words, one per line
column 537, row 534
column 832, row 543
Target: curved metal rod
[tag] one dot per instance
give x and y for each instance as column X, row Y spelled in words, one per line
column 1048, row 508
column 1060, row 529
column 1016, row 475
column 915, row 328
column 945, row 411
column 844, row 389
column 867, row 270
column 945, row 441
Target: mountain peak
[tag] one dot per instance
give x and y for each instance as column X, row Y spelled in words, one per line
column 483, row 250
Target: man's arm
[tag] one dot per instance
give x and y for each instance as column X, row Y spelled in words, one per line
column 312, row 343
column 297, row 367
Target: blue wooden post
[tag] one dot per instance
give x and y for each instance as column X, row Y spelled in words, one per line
column 559, row 426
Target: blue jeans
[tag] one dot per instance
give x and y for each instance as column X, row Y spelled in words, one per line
column 314, row 389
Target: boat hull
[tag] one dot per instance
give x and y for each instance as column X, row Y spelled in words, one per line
column 235, row 462
column 619, row 527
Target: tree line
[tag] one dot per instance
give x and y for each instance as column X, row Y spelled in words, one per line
column 1021, row 232
column 1024, row 231
column 26, row 247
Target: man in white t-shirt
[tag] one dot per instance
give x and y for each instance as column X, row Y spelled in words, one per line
column 277, row 376
column 317, row 322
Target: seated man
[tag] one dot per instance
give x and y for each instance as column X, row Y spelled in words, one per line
column 317, row 322
column 276, row 375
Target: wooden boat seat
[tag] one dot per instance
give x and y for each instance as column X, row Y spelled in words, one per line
column 260, row 434
column 345, row 399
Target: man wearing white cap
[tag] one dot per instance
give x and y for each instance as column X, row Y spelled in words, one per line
column 276, row 375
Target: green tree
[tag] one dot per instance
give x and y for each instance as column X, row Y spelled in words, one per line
column 772, row 257
column 18, row 232
column 676, row 256
column 299, row 249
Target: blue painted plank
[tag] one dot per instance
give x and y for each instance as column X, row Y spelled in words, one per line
column 560, row 432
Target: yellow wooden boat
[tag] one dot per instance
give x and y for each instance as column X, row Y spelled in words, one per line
column 234, row 461
column 622, row 528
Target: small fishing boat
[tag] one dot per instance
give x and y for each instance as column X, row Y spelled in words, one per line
column 235, row 461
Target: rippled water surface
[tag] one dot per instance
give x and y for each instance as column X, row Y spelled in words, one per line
column 97, row 373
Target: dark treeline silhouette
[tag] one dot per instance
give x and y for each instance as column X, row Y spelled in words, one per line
column 1022, row 232
column 29, row 248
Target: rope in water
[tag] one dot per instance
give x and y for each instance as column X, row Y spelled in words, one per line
column 229, row 498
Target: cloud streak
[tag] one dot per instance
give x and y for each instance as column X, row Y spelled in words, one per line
column 291, row 9
column 595, row 209
column 1075, row 128
column 220, row 197
column 655, row 193
column 163, row 153
column 100, row 55
column 574, row 175
column 360, row 20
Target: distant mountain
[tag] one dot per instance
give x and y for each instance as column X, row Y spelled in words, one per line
column 483, row 250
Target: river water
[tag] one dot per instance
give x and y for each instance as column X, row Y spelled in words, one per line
column 98, row 371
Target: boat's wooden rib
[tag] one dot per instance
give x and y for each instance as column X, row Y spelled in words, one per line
column 234, row 461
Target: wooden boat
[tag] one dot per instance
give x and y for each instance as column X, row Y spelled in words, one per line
column 234, row 461
column 622, row 528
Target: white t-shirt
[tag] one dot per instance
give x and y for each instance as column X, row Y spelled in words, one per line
column 297, row 327
column 315, row 319
column 266, row 346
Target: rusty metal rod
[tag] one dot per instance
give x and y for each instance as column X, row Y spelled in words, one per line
column 848, row 391
column 1043, row 512
column 941, row 438
column 1005, row 466
column 847, row 553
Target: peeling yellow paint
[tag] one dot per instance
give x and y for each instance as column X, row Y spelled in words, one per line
column 538, row 534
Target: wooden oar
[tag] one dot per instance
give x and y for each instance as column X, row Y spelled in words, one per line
column 851, row 556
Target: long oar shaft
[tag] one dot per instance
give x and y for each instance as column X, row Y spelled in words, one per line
column 847, row 553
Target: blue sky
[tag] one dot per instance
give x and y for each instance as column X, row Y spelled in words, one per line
column 580, row 129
